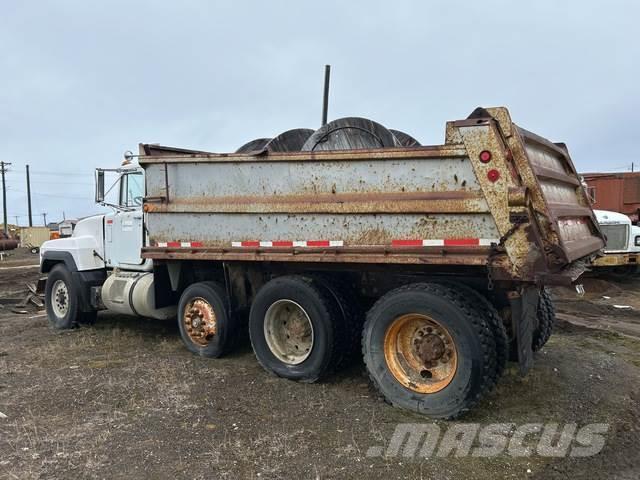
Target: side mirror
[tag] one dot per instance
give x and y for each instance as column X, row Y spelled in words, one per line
column 99, row 186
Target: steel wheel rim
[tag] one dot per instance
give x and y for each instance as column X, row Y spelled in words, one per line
column 288, row 331
column 199, row 320
column 420, row 353
column 60, row 298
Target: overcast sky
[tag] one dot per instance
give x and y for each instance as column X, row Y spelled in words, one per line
column 83, row 81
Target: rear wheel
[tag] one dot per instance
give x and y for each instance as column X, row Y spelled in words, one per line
column 203, row 319
column 427, row 349
column 352, row 317
column 546, row 320
column 494, row 321
column 296, row 329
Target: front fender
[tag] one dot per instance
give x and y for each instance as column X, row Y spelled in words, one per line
column 77, row 253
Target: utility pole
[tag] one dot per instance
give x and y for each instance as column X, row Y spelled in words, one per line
column 44, row 218
column 16, row 217
column 29, row 197
column 3, row 169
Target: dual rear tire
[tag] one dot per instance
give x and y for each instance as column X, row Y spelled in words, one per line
column 301, row 328
column 429, row 348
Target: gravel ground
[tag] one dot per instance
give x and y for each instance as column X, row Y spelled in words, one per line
column 124, row 399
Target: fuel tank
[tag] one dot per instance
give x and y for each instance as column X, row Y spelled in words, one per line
column 132, row 293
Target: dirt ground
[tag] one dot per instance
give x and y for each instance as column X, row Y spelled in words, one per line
column 125, row 399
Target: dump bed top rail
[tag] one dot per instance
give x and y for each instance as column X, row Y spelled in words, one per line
column 494, row 194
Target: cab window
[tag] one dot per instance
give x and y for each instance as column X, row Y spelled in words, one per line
column 131, row 189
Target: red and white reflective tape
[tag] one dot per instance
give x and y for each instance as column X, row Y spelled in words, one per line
column 445, row 242
column 180, row 244
column 289, row 243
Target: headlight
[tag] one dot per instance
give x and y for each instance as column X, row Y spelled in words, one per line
column 637, row 241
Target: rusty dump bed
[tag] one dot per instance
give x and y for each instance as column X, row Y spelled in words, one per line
column 494, row 194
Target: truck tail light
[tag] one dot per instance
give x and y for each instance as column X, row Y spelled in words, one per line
column 493, row 175
column 485, row 156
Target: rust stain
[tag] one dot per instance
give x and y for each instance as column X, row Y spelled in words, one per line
column 407, row 202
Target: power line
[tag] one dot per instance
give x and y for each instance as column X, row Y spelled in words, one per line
column 55, row 195
column 63, row 174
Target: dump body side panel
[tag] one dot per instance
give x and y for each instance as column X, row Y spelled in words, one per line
column 257, row 202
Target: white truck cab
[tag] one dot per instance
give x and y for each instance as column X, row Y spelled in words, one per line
column 99, row 266
column 623, row 242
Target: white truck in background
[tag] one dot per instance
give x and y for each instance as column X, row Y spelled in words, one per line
column 622, row 251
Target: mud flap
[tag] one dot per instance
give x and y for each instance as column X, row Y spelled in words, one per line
column 42, row 281
column 524, row 307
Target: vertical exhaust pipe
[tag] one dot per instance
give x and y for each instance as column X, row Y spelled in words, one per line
column 325, row 98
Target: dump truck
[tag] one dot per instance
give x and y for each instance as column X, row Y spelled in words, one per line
column 430, row 262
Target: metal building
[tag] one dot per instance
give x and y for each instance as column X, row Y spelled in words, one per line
column 616, row 192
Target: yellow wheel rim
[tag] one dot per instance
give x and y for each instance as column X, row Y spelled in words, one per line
column 420, row 353
column 199, row 321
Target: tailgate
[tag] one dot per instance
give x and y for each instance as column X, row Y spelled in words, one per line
column 568, row 213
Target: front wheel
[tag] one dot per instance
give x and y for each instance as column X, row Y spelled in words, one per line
column 429, row 349
column 61, row 299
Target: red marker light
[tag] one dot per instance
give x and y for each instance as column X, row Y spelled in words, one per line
column 485, row 156
column 493, row 175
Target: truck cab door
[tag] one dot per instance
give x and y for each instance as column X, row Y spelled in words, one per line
column 124, row 232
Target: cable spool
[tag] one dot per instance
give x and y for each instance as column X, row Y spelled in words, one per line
column 350, row 133
column 404, row 139
column 253, row 145
column 289, row 141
